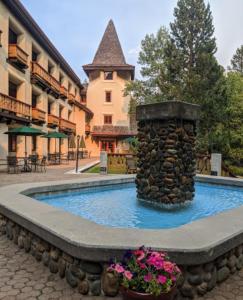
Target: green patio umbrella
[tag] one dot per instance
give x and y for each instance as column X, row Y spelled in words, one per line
column 82, row 145
column 72, row 143
column 55, row 135
column 25, row 131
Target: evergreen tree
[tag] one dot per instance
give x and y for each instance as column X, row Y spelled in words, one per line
column 193, row 68
column 237, row 61
column 154, row 86
column 197, row 70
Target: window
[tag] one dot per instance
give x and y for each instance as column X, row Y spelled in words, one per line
column 12, row 89
column 34, row 143
column 108, row 75
column 12, row 143
column 107, row 96
column 108, row 119
column 34, row 100
column 34, row 56
column 61, row 78
column 49, row 107
column 12, row 37
column 50, row 68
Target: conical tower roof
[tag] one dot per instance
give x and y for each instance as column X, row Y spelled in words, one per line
column 109, row 51
column 109, row 54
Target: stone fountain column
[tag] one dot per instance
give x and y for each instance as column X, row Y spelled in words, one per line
column 166, row 154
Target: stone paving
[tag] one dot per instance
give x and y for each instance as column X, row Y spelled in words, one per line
column 22, row 277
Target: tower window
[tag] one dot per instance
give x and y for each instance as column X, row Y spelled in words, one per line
column 108, row 119
column 107, row 96
column 108, row 75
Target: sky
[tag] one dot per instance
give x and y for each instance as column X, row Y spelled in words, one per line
column 76, row 27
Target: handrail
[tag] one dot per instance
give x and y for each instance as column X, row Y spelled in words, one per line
column 43, row 74
column 14, row 105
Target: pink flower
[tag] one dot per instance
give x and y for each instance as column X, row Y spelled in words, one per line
column 148, row 277
column 173, row 278
column 168, row 267
column 128, row 275
column 141, row 265
column 118, row 268
column 140, row 254
column 161, row 279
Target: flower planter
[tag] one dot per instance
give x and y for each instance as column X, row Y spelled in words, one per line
column 132, row 295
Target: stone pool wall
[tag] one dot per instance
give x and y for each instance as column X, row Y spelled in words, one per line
column 166, row 153
column 90, row 278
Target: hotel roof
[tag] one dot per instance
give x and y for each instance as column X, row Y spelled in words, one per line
column 109, row 54
column 20, row 12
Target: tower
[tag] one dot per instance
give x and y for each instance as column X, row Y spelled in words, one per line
column 108, row 75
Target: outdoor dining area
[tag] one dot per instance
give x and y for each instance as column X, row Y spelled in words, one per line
column 36, row 163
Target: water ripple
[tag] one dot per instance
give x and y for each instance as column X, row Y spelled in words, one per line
column 117, row 206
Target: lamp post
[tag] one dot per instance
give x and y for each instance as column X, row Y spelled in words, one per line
column 77, row 155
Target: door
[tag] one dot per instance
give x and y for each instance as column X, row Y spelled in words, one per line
column 108, row 146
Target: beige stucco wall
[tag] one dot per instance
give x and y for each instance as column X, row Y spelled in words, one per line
column 118, row 107
column 26, row 41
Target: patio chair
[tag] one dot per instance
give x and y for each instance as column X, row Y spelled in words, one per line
column 64, row 158
column 13, row 164
column 41, row 164
column 131, row 165
column 33, row 161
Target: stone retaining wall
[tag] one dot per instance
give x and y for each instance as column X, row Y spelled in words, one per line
column 90, row 278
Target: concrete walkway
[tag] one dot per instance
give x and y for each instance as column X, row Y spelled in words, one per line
column 53, row 173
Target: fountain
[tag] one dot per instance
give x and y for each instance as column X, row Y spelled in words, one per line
column 166, row 154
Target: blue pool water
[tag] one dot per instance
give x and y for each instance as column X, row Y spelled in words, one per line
column 117, row 206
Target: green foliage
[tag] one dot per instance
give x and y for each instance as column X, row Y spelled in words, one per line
column 237, row 61
column 154, row 87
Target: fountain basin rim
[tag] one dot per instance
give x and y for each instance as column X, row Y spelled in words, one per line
column 198, row 242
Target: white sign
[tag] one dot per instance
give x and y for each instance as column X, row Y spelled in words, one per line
column 216, row 164
column 103, row 162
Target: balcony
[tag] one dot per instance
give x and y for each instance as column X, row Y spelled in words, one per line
column 71, row 99
column 67, row 126
column 87, row 128
column 17, row 56
column 53, row 121
column 112, row 131
column 46, row 81
column 12, row 105
column 63, row 92
column 38, row 115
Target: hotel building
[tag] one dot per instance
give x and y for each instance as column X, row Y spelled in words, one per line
column 37, row 86
column 40, row 89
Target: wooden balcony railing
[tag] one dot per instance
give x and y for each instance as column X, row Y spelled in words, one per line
column 38, row 115
column 63, row 92
column 11, row 104
column 43, row 78
column 53, row 121
column 71, row 98
column 17, row 56
column 87, row 128
column 66, row 125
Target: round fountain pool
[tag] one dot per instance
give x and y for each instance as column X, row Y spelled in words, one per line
column 117, row 205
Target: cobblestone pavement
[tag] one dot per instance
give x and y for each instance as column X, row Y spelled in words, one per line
column 22, row 277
